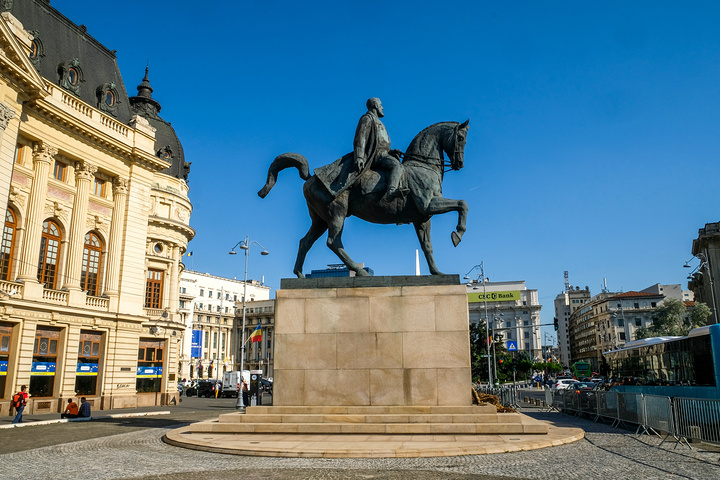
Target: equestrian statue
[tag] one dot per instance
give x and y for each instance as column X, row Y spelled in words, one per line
column 372, row 183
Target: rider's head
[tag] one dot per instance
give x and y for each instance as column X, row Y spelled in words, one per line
column 374, row 105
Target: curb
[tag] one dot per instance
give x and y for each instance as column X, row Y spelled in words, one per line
column 66, row 420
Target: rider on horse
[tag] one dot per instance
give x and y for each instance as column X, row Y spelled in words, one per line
column 371, row 149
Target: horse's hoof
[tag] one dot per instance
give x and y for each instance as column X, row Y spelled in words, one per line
column 299, row 274
column 455, row 238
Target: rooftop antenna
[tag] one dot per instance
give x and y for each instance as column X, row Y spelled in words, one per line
column 604, row 285
column 417, row 263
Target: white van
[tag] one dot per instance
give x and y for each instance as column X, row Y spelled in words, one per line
column 232, row 383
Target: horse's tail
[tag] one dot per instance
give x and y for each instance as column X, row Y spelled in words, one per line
column 281, row 162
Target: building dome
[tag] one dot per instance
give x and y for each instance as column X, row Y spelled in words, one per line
column 167, row 144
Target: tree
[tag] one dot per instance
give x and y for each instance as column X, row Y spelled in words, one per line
column 673, row 320
column 478, row 348
column 699, row 315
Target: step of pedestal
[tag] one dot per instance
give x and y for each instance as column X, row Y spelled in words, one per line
column 372, row 410
column 368, row 428
column 373, row 418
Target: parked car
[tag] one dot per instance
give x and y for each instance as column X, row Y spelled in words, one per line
column 564, row 383
column 203, row 388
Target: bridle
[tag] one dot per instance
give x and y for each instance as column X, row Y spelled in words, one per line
column 445, row 165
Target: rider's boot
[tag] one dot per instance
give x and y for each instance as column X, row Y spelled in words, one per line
column 393, row 190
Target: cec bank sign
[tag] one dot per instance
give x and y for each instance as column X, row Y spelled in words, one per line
column 509, row 296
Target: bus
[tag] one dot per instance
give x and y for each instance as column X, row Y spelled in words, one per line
column 581, row 370
column 669, row 366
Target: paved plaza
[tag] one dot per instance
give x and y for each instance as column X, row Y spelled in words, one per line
column 132, row 447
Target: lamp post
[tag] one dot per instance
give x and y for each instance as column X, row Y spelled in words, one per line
column 244, row 245
column 487, row 328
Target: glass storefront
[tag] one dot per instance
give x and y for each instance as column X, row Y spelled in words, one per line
column 42, row 372
column 86, row 373
column 5, row 343
column 150, row 366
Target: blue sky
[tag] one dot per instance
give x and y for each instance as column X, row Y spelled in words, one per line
column 594, row 134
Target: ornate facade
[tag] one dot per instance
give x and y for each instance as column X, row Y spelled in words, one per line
column 97, row 221
column 212, row 340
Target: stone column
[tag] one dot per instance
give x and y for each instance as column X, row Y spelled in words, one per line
column 42, row 158
column 117, row 227
column 6, row 166
column 84, row 173
column 174, row 296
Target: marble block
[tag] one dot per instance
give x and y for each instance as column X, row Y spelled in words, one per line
column 387, row 342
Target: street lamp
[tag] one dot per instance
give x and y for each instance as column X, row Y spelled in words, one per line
column 487, row 328
column 244, row 245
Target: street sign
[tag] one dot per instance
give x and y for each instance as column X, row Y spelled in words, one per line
column 512, row 346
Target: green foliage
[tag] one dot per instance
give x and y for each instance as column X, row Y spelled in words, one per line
column 553, row 367
column 478, row 347
column 673, row 319
column 699, row 315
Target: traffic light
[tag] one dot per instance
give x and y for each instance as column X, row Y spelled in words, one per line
column 556, row 323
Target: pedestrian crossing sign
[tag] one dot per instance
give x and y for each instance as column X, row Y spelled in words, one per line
column 512, row 346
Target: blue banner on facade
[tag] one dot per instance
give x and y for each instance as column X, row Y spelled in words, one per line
column 196, row 345
column 149, row 372
column 3, row 367
column 42, row 368
column 86, row 369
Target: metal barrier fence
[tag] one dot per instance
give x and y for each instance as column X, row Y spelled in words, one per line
column 508, row 396
column 684, row 419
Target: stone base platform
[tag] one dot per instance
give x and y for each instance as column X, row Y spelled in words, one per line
column 370, row 432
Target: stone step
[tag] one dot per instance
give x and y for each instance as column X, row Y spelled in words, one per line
column 373, row 410
column 372, row 428
column 387, row 418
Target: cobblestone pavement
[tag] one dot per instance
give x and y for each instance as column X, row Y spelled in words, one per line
column 140, row 453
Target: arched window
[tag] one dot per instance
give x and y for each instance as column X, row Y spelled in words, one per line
column 49, row 254
column 7, row 247
column 91, row 263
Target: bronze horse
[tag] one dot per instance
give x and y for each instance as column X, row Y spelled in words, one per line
column 423, row 164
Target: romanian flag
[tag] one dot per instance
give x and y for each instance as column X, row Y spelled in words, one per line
column 189, row 254
column 256, row 335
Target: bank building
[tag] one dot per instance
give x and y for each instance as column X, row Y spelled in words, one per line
column 94, row 183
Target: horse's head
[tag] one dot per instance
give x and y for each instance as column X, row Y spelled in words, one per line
column 455, row 148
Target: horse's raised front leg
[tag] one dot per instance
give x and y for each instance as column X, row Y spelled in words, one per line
column 423, row 234
column 338, row 211
column 438, row 205
column 317, row 228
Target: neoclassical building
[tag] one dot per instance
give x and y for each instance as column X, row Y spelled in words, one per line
column 212, row 306
column 511, row 309
column 97, row 220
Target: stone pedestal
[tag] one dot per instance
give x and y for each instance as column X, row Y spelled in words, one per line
column 372, row 341
column 371, row 367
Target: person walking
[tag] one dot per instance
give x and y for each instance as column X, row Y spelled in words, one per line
column 19, row 402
